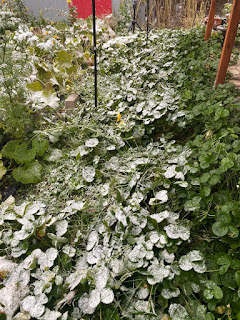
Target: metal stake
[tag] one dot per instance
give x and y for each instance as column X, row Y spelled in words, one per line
column 134, row 22
column 95, row 52
column 147, row 19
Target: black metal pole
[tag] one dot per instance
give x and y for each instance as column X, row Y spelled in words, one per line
column 95, row 52
column 134, row 15
column 147, row 19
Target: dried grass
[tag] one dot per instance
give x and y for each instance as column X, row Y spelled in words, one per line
column 175, row 13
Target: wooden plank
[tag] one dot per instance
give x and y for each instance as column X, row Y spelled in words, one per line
column 228, row 43
column 210, row 19
column 71, row 101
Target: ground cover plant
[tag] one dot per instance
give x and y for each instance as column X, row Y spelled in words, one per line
column 136, row 215
column 41, row 64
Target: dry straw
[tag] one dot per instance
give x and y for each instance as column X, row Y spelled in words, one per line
column 175, row 13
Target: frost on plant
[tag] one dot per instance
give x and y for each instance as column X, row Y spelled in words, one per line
column 88, row 174
column 178, row 312
column 91, row 143
column 111, row 229
column 160, row 197
column 193, row 260
column 176, row 231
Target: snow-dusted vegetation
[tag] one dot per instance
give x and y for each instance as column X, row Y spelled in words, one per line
column 130, row 211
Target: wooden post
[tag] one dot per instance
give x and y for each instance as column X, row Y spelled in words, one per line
column 210, row 19
column 228, row 43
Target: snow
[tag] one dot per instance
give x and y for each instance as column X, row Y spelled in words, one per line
column 91, row 143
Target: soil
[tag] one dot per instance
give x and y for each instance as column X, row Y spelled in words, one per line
column 235, row 71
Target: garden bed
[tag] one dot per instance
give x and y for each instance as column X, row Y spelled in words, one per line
column 130, row 211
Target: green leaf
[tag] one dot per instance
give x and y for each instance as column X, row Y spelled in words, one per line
column 201, row 311
column 224, row 218
column 237, row 277
column 204, row 162
column 212, row 305
column 72, row 70
column 233, row 231
column 18, row 152
column 221, row 113
column 64, row 59
column 204, row 178
column 193, row 204
column 227, row 207
column 153, row 222
column 215, row 178
column 40, row 146
column 205, row 191
column 225, row 262
column 195, row 181
column 226, row 164
column 219, row 229
column 235, row 264
column 3, row 170
column 234, row 243
column 223, row 258
column 225, row 113
column 57, row 239
column 34, row 86
column 30, row 173
column 23, row 154
column 87, row 55
column 209, row 316
column 8, row 151
column 208, row 294
column 223, row 269
column 162, row 302
column 217, row 292
column 228, row 279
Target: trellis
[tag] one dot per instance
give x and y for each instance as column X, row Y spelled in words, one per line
column 229, row 38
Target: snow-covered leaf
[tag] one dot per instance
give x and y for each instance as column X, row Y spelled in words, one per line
column 193, row 260
column 107, row 296
column 101, row 277
column 88, row 174
column 176, row 231
column 159, row 217
column 53, row 155
column 46, row 260
column 61, row 227
column 169, row 294
column 170, row 172
column 69, row 250
column 91, row 143
column 31, row 305
column 51, row 315
column 84, row 306
column 178, row 312
column 160, row 197
column 143, row 293
column 142, row 306
column 92, row 240
column 94, row 298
